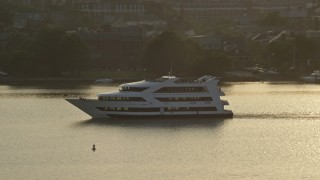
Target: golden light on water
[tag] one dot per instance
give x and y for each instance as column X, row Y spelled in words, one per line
column 275, row 133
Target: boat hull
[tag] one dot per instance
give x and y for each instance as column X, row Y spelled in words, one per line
column 311, row 79
column 91, row 107
column 230, row 115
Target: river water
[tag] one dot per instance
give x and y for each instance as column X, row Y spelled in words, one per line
column 275, row 134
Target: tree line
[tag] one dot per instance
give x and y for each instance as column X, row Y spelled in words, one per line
column 55, row 52
column 294, row 52
column 52, row 51
column 169, row 51
column 49, row 52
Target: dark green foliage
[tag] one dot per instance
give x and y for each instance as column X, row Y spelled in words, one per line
column 6, row 14
column 166, row 49
column 47, row 50
column 214, row 63
column 51, row 53
column 185, row 56
column 305, row 48
column 280, row 52
column 22, row 63
column 74, row 53
column 272, row 19
column 293, row 52
column 4, row 59
column 58, row 51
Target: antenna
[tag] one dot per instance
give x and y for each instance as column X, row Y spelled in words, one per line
column 294, row 53
column 171, row 70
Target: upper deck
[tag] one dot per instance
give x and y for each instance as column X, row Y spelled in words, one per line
column 170, row 84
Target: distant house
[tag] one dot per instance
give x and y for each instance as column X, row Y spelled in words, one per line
column 3, row 74
column 23, row 19
column 114, row 47
column 314, row 35
column 266, row 7
column 39, row 3
column 240, row 58
column 244, row 20
column 97, row 10
column 231, row 47
column 206, row 10
column 151, row 24
column 295, row 15
column 208, row 42
column 5, row 38
column 268, row 37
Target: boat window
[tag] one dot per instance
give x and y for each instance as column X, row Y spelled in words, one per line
column 126, row 109
column 106, row 98
column 170, row 109
column 184, row 99
column 181, row 89
column 161, row 79
column 185, row 81
column 133, row 89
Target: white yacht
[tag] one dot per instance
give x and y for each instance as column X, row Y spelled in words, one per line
column 313, row 77
column 106, row 80
column 165, row 96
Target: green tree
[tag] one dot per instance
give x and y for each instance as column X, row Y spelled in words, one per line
column 169, row 49
column 214, row 63
column 293, row 52
column 54, row 51
column 18, row 57
column 281, row 55
column 22, row 63
column 305, row 48
column 6, row 14
column 47, row 50
column 272, row 19
column 4, row 59
column 249, row 4
column 259, row 51
column 74, row 53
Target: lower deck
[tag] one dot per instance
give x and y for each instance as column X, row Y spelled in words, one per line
column 97, row 109
column 218, row 115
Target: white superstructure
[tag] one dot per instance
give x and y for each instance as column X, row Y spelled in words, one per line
column 165, row 96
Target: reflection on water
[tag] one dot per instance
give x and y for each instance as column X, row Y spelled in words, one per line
column 274, row 100
column 156, row 122
column 51, row 84
column 65, row 94
column 54, row 89
column 316, row 116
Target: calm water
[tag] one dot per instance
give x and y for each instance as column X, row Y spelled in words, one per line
column 275, row 134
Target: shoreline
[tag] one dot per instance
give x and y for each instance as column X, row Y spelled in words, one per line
column 232, row 76
column 84, row 80
column 124, row 80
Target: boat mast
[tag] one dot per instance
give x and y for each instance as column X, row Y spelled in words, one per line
column 294, row 53
column 171, row 70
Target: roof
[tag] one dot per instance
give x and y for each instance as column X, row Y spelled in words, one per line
column 206, row 38
column 237, row 51
column 116, row 34
column 294, row 13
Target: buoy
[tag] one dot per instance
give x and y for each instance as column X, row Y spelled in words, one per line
column 93, row 147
